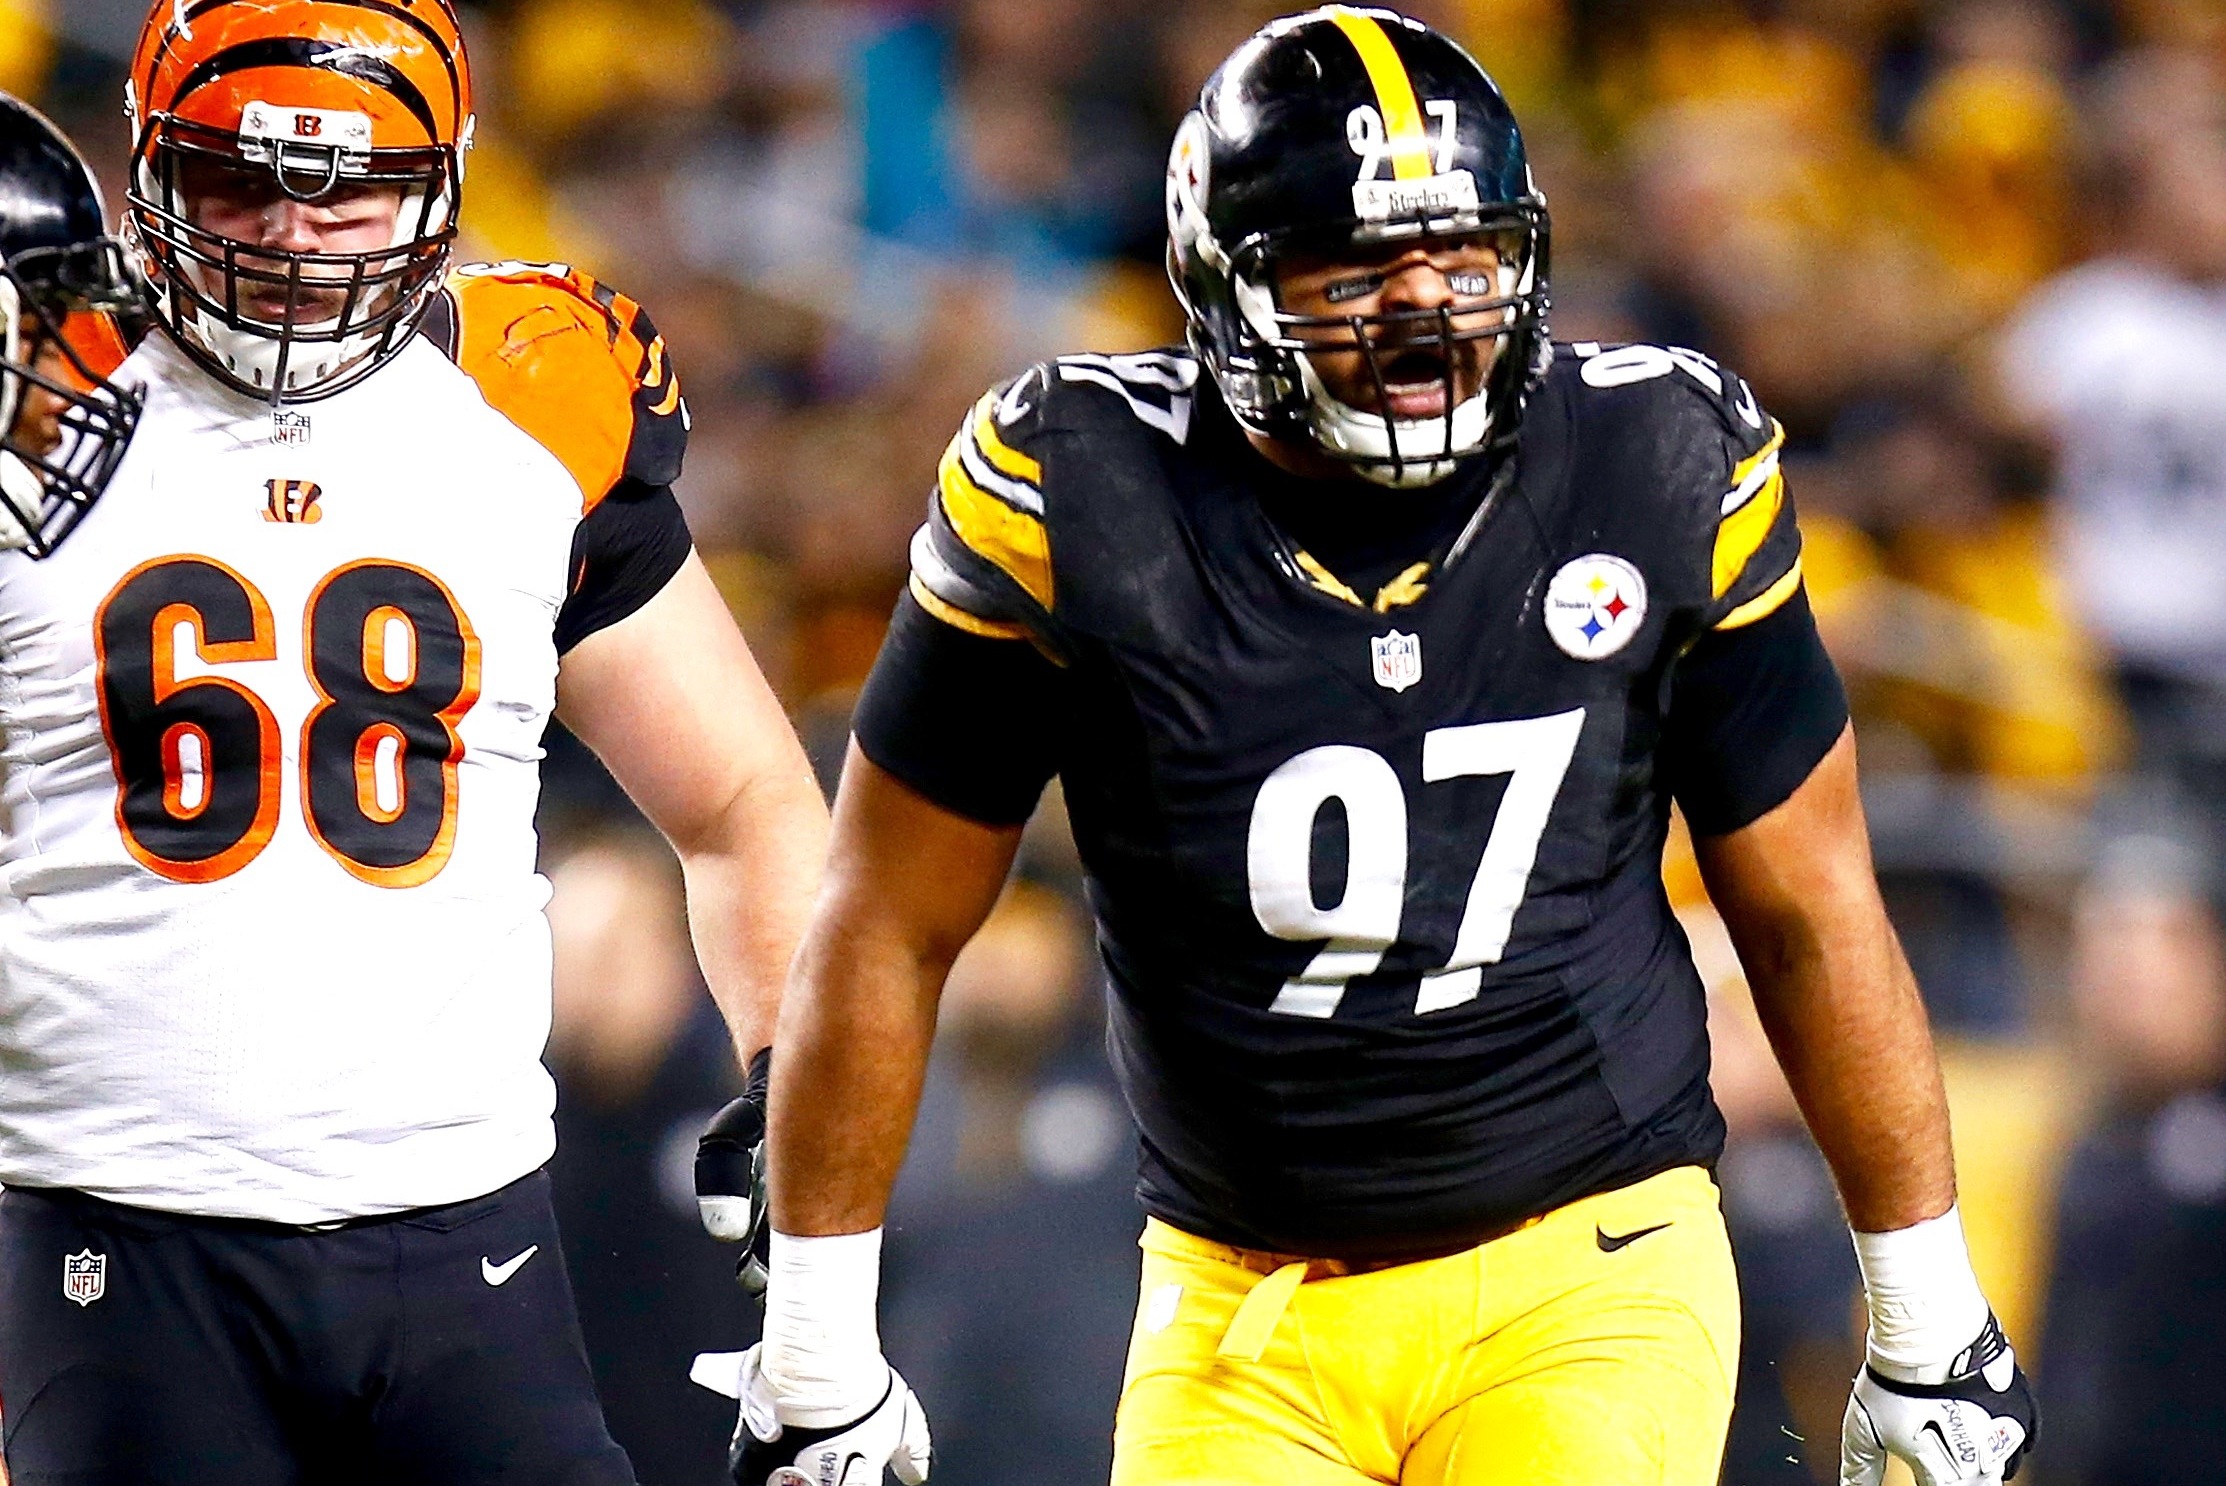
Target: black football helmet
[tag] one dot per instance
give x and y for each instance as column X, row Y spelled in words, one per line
column 1340, row 128
column 63, row 425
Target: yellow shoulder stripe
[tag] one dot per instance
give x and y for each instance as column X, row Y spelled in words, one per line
column 1741, row 534
column 957, row 618
column 1002, row 457
column 1744, row 470
column 1012, row 539
column 1766, row 603
column 1410, row 147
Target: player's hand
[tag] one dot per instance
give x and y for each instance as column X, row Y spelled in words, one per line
column 730, row 1176
column 1971, row 1430
column 766, row 1452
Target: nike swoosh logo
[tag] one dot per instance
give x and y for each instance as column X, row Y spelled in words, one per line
column 499, row 1274
column 1609, row 1243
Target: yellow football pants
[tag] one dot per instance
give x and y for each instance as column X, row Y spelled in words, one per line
column 1567, row 1353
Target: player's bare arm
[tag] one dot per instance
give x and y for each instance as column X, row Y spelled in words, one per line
column 1797, row 892
column 1842, row 1010
column 908, row 883
column 674, row 704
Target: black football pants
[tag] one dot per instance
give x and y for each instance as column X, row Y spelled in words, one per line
column 413, row 1350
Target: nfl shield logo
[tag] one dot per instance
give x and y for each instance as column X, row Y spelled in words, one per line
column 84, row 1276
column 1397, row 659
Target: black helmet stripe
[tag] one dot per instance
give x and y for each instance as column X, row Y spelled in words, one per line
column 293, row 51
column 414, row 22
column 1395, row 100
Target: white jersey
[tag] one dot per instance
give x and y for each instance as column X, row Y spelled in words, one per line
column 2126, row 365
column 271, row 933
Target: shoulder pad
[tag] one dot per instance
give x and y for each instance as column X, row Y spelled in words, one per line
column 574, row 363
column 1721, row 448
column 1148, row 389
column 983, row 560
column 1027, row 453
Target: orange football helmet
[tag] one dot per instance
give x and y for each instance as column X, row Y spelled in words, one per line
column 300, row 100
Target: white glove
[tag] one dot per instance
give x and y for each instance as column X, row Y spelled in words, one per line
column 820, row 1405
column 1972, row 1430
column 1957, row 1410
column 766, row 1452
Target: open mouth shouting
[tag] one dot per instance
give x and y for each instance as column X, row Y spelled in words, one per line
column 1414, row 382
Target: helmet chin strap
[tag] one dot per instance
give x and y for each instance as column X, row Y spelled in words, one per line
column 1366, row 439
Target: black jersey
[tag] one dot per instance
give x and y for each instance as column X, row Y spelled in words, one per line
column 1377, row 875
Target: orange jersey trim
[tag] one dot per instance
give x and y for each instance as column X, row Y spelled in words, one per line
column 559, row 356
column 97, row 339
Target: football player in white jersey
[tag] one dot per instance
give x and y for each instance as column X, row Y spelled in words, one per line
column 274, row 974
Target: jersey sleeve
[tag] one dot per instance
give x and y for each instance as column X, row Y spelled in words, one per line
column 623, row 554
column 575, row 364
column 968, row 720
column 982, row 561
column 1754, row 558
column 1753, row 709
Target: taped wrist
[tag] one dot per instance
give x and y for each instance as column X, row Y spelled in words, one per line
column 1924, row 1299
column 822, row 1351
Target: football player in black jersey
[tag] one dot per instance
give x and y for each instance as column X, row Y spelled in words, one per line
column 1373, row 636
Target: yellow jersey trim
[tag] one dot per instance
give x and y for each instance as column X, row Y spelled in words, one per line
column 957, row 618
column 1327, row 581
column 1745, row 468
column 1014, row 540
column 1404, row 589
column 1387, row 74
column 1742, row 533
column 1002, row 457
column 1767, row 603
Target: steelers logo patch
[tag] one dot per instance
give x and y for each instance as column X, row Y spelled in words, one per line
column 1594, row 606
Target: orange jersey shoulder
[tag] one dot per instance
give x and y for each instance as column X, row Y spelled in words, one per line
column 574, row 363
column 98, row 341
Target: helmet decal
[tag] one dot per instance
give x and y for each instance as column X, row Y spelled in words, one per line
column 1400, row 119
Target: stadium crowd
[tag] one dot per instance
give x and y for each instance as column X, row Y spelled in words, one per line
column 1971, row 252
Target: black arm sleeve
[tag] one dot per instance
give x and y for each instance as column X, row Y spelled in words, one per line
column 623, row 553
column 1752, row 712
column 970, row 722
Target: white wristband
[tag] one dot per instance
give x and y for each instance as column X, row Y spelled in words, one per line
column 822, row 1348
column 1925, row 1305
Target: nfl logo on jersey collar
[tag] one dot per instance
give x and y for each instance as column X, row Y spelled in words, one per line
column 1595, row 605
column 1396, row 660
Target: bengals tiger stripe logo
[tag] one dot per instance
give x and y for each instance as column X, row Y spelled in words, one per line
column 293, row 502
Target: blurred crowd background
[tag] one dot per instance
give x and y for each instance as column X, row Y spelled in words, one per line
column 1971, row 252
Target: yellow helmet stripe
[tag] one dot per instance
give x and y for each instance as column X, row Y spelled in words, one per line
column 1410, row 146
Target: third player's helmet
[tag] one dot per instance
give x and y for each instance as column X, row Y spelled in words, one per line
column 63, row 282
column 311, row 97
column 1341, row 128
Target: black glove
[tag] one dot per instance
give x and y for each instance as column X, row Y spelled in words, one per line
column 730, row 1175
